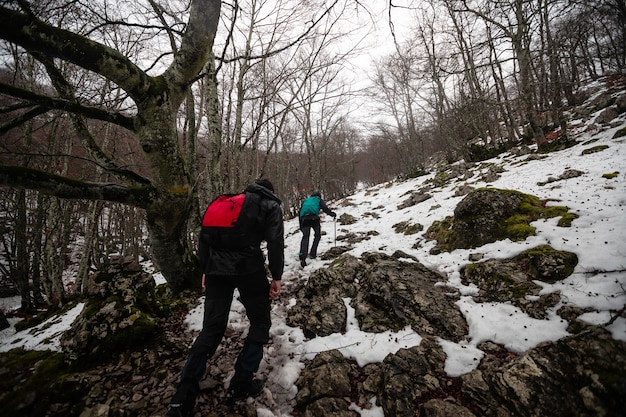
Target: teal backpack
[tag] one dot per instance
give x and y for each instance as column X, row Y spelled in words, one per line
column 310, row 206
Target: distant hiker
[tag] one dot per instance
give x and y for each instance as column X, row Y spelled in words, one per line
column 230, row 254
column 310, row 219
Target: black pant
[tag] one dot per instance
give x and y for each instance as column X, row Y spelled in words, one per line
column 254, row 292
column 306, row 224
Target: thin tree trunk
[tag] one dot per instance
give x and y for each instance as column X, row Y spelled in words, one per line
column 215, row 186
column 21, row 254
column 91, row 231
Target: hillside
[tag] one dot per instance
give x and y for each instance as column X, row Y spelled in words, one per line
column 587, row 178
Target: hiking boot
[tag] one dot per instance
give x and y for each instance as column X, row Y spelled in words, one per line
column 182, row 405
column 237, row 393
column 176, row 410
column 302, row 263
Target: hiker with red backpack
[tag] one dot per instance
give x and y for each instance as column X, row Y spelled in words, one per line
column 233, row 228
column 310, row 219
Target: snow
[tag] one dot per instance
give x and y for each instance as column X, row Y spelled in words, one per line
column 45, row 336
column 598, row 282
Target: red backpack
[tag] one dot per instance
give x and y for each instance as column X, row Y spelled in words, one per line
column 231, row 221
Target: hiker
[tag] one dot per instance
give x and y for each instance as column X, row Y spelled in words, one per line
column 232, row 258
column 310, row 219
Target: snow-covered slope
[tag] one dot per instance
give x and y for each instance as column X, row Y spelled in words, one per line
column 598, row 283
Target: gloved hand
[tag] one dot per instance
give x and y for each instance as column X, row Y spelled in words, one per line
column 334, row 214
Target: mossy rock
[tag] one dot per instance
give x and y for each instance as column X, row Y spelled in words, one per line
column 441, row 231
column 547, row 264
column 562, row 142
column 407, row 228
column 513, row 280
column 594, row 149
column 487, row 215
column 35, row 378
column 610, row 176
column 494, row 282
column 120, row 313
column 620, row 133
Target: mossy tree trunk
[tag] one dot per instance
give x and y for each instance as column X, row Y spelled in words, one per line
column 166, row 194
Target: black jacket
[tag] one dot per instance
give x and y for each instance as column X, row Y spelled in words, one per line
column 248, row 258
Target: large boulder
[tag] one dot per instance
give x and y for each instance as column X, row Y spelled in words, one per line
column 411, row 375
column 513, row 280
column 320, row 309
column 387, row 292
column 481, row 216
column 324, row 384
column 398, row 291
column 119, row 311
column 581, row 375
column 487, row 215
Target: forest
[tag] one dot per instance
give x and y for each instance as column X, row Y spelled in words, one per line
column 120, row 119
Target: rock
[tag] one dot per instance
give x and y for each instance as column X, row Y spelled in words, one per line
column 414, row 198
column 324, row 384
column 479, row 215
column 114, row 315
column 410, row 374
column 346, row 219
column 326, row 376
column 394, row 294
column 487, row 215
column 336, row 407
column 567, row 174
column 443, row 408
column 512, row 280
column 463, row 190
column 585, row 372
column 335, row 252
column 386, row 292
column 547, row 264
column 320, row 310
column 4, row 323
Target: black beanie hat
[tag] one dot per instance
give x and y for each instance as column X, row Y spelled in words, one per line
column 265, row 183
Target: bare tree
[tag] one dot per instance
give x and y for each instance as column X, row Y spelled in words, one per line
column 166, row 192
column 398, row 87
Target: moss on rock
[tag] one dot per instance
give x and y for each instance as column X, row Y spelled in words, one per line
column 487, row 215
column 594, row 149
column 407, row 228
column 35, row 379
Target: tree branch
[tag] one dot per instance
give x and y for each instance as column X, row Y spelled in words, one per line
column 51, row 103
column 36, row 36
column 195, row 48
column 22, row 118
column 248, row 57
column 66, row 91
column 64, row 187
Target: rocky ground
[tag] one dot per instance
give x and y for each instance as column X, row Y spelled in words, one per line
column 136, row 382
